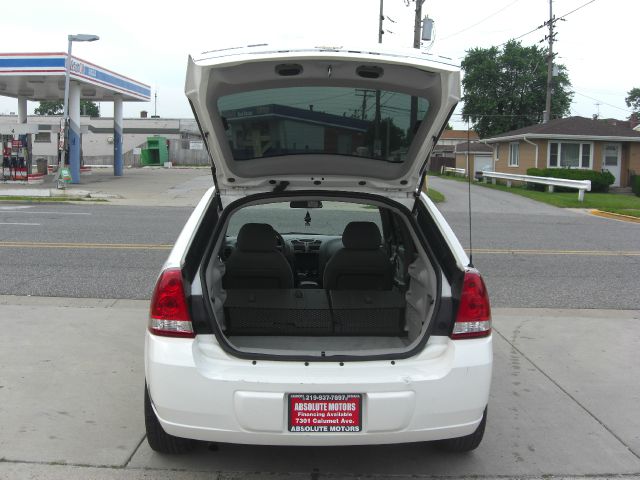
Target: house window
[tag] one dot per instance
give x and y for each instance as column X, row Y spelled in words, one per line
column 570, row 155
column 514, row 154
column 42, row 137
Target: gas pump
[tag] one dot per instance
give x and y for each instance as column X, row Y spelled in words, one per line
column 16, row 156
column 6, row 157
column 16, row 146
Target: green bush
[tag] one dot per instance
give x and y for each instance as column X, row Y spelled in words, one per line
column 635, row 184
column 536, row 172
column 600, row 181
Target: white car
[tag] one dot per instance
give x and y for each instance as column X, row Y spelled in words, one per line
column 316, row 296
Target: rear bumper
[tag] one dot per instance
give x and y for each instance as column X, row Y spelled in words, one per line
column 199, row 391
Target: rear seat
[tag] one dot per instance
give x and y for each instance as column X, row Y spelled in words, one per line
column 362, row 264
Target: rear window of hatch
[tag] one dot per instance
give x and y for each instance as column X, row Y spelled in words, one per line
column 347, row 121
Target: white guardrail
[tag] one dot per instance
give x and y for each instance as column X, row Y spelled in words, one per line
column 581, row 185
column 460, row 171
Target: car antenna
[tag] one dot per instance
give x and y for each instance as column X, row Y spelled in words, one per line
column 469, row 195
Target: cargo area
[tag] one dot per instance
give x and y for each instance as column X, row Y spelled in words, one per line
column 354, row 281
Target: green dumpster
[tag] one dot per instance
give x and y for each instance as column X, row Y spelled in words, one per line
column 156, row 152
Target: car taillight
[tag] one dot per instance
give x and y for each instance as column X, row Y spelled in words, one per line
column 474, row 313
column 169, row 314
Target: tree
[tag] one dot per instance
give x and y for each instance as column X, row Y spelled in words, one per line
column 506, row 89
column 87, row 107
column 633, row 100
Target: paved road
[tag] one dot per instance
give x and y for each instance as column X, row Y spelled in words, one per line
column 100, row 251
column 532, row 255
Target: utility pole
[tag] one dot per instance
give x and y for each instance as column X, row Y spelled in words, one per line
column 417, row 25
column 417, row 36
column 377, row 143
column 547, row 111
column 364, row 93
column 380, row 19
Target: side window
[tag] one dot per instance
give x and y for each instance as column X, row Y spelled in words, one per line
column 514, row 154
column 553, row 154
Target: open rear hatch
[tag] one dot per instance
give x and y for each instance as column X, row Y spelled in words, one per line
column 320, row 118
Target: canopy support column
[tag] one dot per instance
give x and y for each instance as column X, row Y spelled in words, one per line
column 74, row 131
column 118, row 164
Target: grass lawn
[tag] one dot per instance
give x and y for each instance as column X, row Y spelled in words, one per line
column 435, row 195
column 607, row 202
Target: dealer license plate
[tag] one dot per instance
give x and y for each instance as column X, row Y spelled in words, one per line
column 325, row 412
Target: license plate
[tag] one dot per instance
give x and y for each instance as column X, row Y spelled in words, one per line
column 325, row 412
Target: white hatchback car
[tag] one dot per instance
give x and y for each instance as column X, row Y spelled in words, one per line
column 316, row 296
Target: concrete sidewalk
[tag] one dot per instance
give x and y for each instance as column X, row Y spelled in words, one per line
column 149, row 186
column 565, row 402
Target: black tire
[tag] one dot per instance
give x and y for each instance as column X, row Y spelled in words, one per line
column 466, row 443
column 158, row 439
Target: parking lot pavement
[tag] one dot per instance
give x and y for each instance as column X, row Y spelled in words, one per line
column 565, row 402
column 149, row 186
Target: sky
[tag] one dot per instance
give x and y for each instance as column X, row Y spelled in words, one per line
column 150, row 41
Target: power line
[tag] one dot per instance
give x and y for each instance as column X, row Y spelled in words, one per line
column 575, row 10
column 545, row 24
column 505, row 115
column 603, row 103
column 523, row 35
column 481, row 21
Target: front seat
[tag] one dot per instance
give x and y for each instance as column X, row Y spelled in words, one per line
column 362, row 264
column 255, row 262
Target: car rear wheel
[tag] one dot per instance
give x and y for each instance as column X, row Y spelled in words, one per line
column 466, row 443
column 158, row 439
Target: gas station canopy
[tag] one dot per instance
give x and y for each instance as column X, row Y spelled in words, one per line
column 40, row 77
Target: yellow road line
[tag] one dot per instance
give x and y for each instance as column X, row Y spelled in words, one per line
column 615, row 216
column 157, row 246
column 99, row 246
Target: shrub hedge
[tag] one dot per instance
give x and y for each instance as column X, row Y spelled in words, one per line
column 600, row 181
column 635, row 184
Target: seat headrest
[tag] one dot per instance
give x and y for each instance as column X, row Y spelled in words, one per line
column 361, row 236
column 256, row 237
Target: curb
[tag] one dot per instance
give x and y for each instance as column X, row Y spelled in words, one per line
column 615, row 216
column 54, row 193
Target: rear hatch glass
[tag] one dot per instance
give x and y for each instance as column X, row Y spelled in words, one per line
column 360, row 122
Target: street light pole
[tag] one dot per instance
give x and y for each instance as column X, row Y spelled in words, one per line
column 67, row 78
column 67, row 68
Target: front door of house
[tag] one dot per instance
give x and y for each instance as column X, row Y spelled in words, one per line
column 611, row 160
